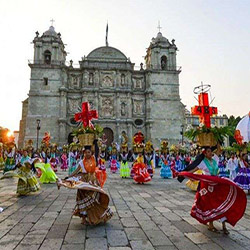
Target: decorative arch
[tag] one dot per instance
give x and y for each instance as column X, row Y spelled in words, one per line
column 47, row 57
column 164, row 62
column 109, row 135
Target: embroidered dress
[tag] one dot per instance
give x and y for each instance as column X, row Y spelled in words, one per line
column 217, row 198
column 64, row 159
column 141, row 173
column 27, row 181
column 223, row 172
column 72, row 162
column 10, row 161
column 91, row 200
column 124, row 169
column 165, row 171
column 243, row 177
column 113, row 166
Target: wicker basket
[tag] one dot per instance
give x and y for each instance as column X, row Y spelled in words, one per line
column 86, row 139
column 206, row 139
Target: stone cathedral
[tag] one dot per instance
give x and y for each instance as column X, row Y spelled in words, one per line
column 127, row 99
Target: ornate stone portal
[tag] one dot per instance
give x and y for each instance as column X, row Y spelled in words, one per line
column 107, row 107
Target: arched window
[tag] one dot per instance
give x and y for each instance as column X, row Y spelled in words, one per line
column 47, row 57
column 164, row 62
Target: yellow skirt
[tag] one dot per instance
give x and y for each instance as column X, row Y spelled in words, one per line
column 193, row 185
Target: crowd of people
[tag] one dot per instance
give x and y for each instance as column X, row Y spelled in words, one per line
column 86, row 168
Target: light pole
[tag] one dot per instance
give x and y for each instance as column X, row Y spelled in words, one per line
column 182, row 134
column 38, row 127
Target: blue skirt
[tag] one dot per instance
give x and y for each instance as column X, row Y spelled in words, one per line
column 165, row 171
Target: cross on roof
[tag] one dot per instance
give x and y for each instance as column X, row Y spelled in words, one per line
column 52, row 21
column 159, row 26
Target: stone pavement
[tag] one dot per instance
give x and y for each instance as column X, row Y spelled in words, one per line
column 150, row 216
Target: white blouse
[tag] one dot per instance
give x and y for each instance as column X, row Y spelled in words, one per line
column 204, row 167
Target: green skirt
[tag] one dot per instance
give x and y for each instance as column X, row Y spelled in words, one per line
column 124, row 170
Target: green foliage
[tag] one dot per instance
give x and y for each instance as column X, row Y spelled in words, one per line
column 219, row 133
column 97, row 130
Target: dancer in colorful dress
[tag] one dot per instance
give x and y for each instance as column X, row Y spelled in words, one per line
column 165, row 171
column 229, row 206
column 91, row 200
column 243, row 177
column 113, row 159
column 149, row 159
column 73, row 156
column 217, row 198
column 53, row 157
column 141, row 174
column 223, row 172
column 10, row 157
column 124, row 169
column 47, row 173
column 64, row 159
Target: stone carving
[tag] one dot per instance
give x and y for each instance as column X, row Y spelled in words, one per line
column 137, row 83
column 107, row 81
column 122, row 79
column 75, row 81
column 91, row 78
column 107, row 106
column 123, row 109
column 138, row 107
column 85, row 77
column 74, row 105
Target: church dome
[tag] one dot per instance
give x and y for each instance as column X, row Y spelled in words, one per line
column 106, row 53
column 50, row 32
column 160, row 38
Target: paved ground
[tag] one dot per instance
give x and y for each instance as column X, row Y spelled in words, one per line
column 150, row 216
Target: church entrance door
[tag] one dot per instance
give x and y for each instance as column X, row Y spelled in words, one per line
column 109, row 135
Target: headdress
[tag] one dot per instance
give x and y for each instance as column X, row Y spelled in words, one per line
column 164, row 146
column 138, row 142
column 149, row 147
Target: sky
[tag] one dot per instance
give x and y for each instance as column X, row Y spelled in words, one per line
column 213, row 39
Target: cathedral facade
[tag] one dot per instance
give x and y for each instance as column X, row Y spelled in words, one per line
column 126, row 99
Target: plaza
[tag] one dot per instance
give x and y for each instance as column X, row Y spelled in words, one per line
column 155, row 215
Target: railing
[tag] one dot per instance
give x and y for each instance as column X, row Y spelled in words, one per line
column 52, row 62
column 158, row 67
column 76, row 65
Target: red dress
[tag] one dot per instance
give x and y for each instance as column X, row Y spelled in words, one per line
column 216, row 199
column 141, row 173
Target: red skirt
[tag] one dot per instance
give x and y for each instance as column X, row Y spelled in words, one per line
column 216, row 199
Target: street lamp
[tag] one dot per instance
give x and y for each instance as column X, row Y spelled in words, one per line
column 182, row 134
column 38, row 127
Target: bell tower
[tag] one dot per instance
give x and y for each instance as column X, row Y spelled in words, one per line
column 49, row 48
column 46, row 102
column 165, row 110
